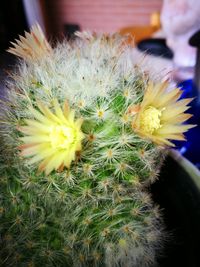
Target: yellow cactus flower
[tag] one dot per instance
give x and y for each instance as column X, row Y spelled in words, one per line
column 31, row 47
column 160, row 115
column 51, row 138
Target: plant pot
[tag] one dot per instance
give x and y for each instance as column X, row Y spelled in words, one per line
column 178, row 193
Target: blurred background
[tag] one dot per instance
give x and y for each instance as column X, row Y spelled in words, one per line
column 58, row 17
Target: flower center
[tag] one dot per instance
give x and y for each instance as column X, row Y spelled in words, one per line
column 62, row 136
column 150, row 120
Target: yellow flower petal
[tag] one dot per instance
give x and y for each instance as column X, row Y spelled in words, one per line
column 31, row 47
column 37, row 126
column 176, row 136
column 31, row 149
column 38, row 138
column 47, row 113
column 58, row 111
column 173, row 110
column 176, row 119
column 55, row 162
column 161, row 115
column 168, row 98
column 51, row 138
column 66, row 109
column 167, row 129
column 153, row 92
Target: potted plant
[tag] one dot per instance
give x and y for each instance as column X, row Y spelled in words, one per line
column 84, row 132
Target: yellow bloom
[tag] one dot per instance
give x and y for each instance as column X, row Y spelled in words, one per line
column 31, row 47
column 160, row 115
column 51, row 138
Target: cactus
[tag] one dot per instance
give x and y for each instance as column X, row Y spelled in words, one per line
column 91, row 208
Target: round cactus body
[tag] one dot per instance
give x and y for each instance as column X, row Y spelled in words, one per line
column 75, row 159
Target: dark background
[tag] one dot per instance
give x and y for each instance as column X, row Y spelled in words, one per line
column 12, row 21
